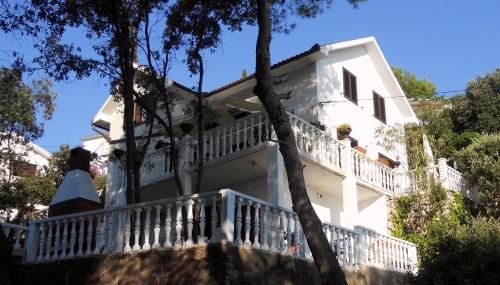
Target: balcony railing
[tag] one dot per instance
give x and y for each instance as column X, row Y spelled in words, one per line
column 17, row 235
column 316, row 143
column 255, row 129
column 222, row 216
column 372, row 172
column 453, row 180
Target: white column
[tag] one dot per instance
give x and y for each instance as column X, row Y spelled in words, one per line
column 227, row 216
column 185, row 175
column 443, row 172
column 115, row 185
column 32, row 242
column 275, row 175
column 348, row 216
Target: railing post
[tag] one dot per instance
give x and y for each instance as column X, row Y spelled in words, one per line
column 358, row 246
column 346, row 157
column 32, row 242
column 349, row 189
column 227, row 216
column 184, row 162
column 443, row 172
column 117, row 231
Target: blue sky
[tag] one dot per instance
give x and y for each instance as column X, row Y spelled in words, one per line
column 447, row 42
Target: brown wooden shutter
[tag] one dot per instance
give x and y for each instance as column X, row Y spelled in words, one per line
column 376, row 107
column 354, row 89
column 347, row 85
column 382, row 108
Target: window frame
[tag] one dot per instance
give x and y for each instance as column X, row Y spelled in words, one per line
column 379, row 110
column 350, row 82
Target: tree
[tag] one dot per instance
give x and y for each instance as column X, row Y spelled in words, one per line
column 268, row 14
column 479, row 109
column 20, row 123
column 412, row 86
column 112, row 29
column 480, row 164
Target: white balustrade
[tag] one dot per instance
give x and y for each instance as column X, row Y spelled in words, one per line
column 196, row 219
column 384, row 251
column 372, row 172
column 316, row 143
column 17, row 234
column 453, row 180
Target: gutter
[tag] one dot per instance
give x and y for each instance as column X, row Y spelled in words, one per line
column 104, row 135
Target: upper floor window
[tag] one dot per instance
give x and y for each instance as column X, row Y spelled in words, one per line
column 139, row 117
column 350, row 86
column 379, row 107
column 23, row 168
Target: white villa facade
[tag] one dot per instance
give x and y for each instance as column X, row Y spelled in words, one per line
column 31, row 159
column 245, row 199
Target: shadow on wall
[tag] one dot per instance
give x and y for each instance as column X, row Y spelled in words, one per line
column 213, row 264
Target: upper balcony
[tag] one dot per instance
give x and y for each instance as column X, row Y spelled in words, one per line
column 251, row 133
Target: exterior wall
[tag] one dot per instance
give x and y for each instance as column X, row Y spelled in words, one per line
column 358, row 61
column 96, row 144
column 373, row 214
column 327, row 207
column 303, row 85
column 254, row 187
column 116, row 125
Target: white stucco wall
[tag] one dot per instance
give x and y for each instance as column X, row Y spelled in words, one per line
column 373, row 214
column 327, row 207
column 358, row 61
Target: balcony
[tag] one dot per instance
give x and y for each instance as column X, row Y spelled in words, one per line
column 221, row 216
column 251, row 133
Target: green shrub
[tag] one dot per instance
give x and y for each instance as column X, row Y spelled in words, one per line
column 480, row 164
column 465, row 254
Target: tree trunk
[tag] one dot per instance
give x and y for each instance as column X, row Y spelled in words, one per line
column 323, row 255
column 201, row 139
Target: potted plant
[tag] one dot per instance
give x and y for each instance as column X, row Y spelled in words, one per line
column 186, row 128
column 343, row 131
column 318, row 125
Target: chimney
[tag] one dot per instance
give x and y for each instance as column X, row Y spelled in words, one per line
column 77, row 192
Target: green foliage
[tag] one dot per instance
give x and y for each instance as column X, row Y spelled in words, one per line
column 25, row 192
column 454, row 247
column 467, row 254
column 479, row 109
column 480, row 164
column 412, row 86
column 417, row 159
column 19, row 110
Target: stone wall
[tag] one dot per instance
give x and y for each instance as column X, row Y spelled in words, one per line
column 214, row 264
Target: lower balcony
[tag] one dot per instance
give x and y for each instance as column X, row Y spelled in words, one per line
column 223, row 216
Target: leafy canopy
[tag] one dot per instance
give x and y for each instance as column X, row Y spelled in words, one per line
column 413, row 87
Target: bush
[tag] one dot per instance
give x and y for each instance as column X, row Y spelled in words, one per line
column 480, row 164
column 467, row 254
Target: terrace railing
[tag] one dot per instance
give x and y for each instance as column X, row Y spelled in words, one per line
column 17, row 235
column 222, row 216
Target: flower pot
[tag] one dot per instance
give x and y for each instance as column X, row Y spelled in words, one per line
column 186, row 128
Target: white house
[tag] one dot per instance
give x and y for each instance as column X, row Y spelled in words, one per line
column 317, row 80
column 245, row 199
column 30, row 159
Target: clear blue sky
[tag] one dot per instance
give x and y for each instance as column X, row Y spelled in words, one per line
column 447, row 42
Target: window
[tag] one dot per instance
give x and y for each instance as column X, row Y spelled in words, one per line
column 379, row 107
column 138, row 114
column 350, row 87
column 23, row 169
